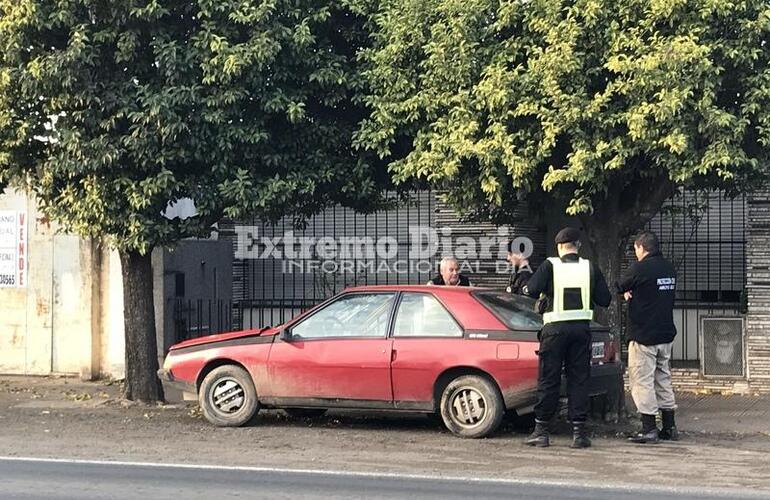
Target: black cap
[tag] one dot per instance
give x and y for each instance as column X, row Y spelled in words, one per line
column 567, row 235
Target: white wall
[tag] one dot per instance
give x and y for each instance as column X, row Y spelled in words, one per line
column 69, row 317
column 26, row 314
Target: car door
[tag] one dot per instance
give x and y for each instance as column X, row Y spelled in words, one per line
column 426, row 340
column 337, row 356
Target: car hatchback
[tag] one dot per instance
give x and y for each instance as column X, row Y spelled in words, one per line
column 466, row 354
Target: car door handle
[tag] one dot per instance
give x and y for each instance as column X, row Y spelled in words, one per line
column 393, row 355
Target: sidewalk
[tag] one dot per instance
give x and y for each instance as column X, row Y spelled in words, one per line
column 718, row 414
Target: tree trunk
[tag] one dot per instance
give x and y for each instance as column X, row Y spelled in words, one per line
column 624, row 211
column 606, row 244
column 607, row 234
column 142, row 383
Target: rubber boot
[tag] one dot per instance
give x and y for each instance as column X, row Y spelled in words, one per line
column 669, row 431
column 580, row 435
column 539, row 436
column 649, row 432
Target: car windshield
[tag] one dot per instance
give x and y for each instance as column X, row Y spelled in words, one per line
column 516, row 311
column 352, row 315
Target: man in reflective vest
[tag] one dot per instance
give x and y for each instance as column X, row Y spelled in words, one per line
column 573, row 287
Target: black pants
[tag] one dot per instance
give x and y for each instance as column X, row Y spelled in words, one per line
column 568, row 344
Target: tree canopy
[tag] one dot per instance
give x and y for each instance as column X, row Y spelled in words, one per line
column 111, row 110
column 594, row 102
column 243, row 106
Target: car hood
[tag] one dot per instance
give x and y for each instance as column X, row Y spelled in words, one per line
column 220, row 337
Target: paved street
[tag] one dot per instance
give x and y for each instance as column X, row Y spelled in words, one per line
column 395, row 455
column 28, row 479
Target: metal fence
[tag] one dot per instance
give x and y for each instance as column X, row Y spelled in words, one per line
column 197, row 318
column 703, row 234
column 274, row 278
column 275, row 282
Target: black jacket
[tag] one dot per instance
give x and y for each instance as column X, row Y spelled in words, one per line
column 438, row 280
column 651, row 282
column 542, row 282
column 518, row 280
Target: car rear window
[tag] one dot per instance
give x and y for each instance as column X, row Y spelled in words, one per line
column 515, row 311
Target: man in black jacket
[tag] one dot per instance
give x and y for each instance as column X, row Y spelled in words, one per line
column 521, row 272
column 573, row 286
column 649, row 286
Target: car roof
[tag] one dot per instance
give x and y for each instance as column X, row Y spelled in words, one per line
column 470, row 313
column 415, row 288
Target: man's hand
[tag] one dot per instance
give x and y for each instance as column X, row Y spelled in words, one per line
column 628, row 295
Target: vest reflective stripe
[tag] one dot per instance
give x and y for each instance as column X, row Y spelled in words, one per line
column 570, row 275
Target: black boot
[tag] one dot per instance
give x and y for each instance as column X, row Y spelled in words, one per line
column 580, row 435
column 539, row 436
column 669, row 431
column 649, row 432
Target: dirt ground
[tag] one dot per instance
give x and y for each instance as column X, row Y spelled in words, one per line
column 66, row 418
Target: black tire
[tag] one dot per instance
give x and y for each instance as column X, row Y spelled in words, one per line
column 305, row 412
column 227, row 396
column 472, row 407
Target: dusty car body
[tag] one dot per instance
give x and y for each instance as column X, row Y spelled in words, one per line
column 466, row 354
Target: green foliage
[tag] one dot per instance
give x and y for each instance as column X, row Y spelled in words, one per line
column 494, row 99
column 243, row 106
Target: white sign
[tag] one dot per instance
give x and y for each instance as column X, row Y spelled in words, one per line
column 13, row 249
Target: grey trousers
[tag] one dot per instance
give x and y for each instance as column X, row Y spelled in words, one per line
column 649, row 373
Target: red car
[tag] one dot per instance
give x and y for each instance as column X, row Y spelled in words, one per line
column 468, row 354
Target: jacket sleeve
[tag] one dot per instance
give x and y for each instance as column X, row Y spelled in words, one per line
column 524, row 278
column 539, row 281
column 627, row 280
column 600, row 294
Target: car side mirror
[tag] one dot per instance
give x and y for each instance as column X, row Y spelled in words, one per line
column 285, row 335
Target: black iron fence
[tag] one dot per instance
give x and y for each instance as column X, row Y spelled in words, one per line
column 274, row 279
column 704, row 235
column 197, row 318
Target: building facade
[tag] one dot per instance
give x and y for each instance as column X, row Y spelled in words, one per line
column 67, row 314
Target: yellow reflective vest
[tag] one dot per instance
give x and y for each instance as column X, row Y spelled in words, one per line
column 570, row 275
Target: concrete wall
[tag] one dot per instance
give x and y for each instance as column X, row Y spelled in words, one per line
column 112, row 358
column 26, row 314
column 69, row 316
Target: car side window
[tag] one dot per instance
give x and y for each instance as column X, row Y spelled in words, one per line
column 422, row 315
column 354, row 315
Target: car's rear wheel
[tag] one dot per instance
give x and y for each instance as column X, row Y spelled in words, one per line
column 305, row 412
column 471, row 406
column 227, row 396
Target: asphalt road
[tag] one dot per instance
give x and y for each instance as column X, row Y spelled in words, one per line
column 67, row 479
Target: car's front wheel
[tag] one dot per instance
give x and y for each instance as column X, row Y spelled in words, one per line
column 227, row 396
column 471, row 406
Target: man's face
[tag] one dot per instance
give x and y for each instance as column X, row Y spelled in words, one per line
column 639, row 251
column 514, row 258
column 450, row 272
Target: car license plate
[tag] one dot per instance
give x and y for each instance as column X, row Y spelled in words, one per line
column 597, row 350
